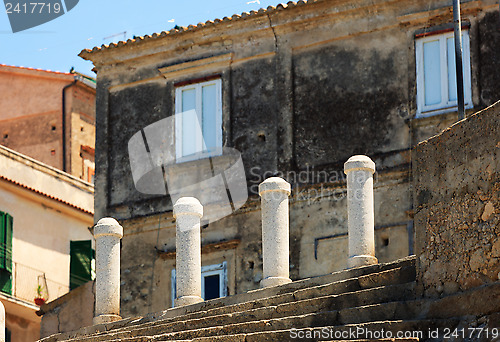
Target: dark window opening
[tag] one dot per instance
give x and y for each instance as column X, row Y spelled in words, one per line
column 386, row 241
column 212, row 286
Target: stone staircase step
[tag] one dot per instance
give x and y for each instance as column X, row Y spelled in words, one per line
column 395, row 276
column 363, row 297
column 376, row 328
column 385, row 300
column 285, row 306
column 245, row 300
column 259, row 298
column 387, row 326
column 484, row 300
column 399, row 310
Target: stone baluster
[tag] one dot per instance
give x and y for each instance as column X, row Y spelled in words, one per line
column 107, row 234
column 274, row 194
column 187, row 213
column 359, row 170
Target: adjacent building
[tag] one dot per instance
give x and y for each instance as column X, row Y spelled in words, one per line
column 297, row 89
column 46, row 246
column 49, row 116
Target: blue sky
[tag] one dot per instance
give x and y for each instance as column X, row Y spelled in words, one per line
column 55, row 45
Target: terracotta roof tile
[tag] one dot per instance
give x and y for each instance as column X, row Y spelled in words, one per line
column 243, row 15
column 35, row 69
column 45, row 194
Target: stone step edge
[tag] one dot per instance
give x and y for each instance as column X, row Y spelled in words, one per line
column 239, row 298
column 167, row 324
column 257, row 336
column 435, row 308
column 371, row 326
column 387, row 325
column 214, row 311
column 212, row 331
column 171, row 320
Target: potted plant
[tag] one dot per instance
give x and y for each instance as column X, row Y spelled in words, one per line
column 39, row 300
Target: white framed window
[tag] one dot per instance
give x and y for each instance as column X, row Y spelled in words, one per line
column 198, row 120
column 436, row 73
column 213, row 282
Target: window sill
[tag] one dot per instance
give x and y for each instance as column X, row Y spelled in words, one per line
column 450, row 115
column 199, row 156
column 430, row 113
column 202, row 165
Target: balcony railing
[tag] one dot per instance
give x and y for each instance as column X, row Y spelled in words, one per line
column 27, row 280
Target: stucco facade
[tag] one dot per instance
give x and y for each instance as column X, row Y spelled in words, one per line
column 304, row 87
column 39, row 107
column 49, row 208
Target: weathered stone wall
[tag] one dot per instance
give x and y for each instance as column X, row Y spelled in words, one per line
column 457, row 201
column 305, row 89
column 70, row 312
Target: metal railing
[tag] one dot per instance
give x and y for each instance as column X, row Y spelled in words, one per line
column 29, row 283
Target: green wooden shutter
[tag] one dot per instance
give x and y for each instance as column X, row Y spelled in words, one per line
column 6, row 224
column 80, row 263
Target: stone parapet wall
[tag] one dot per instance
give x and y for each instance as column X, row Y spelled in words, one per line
column 70, row 312
column 457, row 201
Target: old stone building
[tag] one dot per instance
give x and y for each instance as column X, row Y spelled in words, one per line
column 49, row 116
column 298, row 89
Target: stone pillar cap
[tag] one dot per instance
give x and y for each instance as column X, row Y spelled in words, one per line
column 108, row 226
column 188, row 206
column 359, row 162
column 274, row 184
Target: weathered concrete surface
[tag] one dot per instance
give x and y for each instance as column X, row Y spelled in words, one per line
column 70, row 312
column 305, row 89
column 457, row 184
